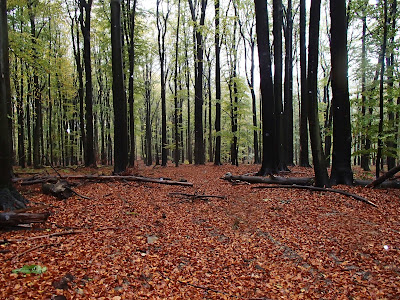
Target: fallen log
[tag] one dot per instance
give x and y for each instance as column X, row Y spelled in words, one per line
column 389, row 184
column 12, row 218
column 320, row 189
column 384, row 177
column 103, row 178
column 270, row 180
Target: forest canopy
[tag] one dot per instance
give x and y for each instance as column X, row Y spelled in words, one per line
column 191, row 81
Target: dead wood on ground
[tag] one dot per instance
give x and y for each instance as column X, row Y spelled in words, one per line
column 101, row 178
column 270, row 179
column 314, row 188
column 389, row 174
column 12, row 218
column 192, row 197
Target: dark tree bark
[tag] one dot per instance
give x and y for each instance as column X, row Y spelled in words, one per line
column 341, row 156
column 148, row 142
column 199, row 153
column 36, row 91
column 28, row 120
column 189, row 128
column 119, row 98
column 162, row 31
column 5, row 98
column 131, row 84
column 365, row 157
column 288, row 86
column 381, row 91
column 270, row 140
column 85, row 8
column 217, row 160
column 304, row 156
column 178, row 112
column 278, row 64
column 393, row 129
column 9, row 198
column 321, row 174
column 21, row 124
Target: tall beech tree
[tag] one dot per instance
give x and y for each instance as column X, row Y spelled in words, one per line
column 85, row 8
column 382, row 55
column 37, row 126
column 5, row 99
column 341, row 156
column 319, row 161
column 304, row 155
column 9, row 198
column 199, row 151
column 177, row 108
column 217, row 159
column 270, row 141
column 162, row 21
column 288, row 87
column 119, row 98
column 131, row 43
column 278, row 67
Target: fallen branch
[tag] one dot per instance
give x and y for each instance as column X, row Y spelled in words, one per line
column 14, row 218
column 192, row 197
column 270, row 180
column 42, row 236
column 102, row 178
column 387, row 175
column 314, row 188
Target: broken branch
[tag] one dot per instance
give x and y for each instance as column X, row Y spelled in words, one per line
column 314, row 188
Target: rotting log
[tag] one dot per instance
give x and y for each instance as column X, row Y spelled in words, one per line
column 102, row 178
column 305, row 181
column 320, row 189
column 270, row 180
column 12, row 218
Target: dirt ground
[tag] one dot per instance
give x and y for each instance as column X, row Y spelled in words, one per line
column 134, row 240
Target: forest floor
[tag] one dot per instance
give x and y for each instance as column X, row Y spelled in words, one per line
column 133, row 240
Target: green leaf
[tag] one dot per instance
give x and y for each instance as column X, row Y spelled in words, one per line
column 31, row 269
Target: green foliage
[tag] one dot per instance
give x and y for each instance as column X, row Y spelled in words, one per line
column 31, row 269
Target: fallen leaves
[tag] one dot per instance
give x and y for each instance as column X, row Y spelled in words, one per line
column 135, row 241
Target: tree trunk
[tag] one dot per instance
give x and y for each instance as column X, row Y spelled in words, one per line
column 288, row 86
column 84, row 18
column 381, row 83
column 277, row 32
column 391, row 142
column 321, row 174
column 162, row 30
column 217, row 160
column 199, row 153
column 177, row 111
column 341, row 156
column 5, row 98
column 36, row 92
column 119, row 98
column 304, row 156
column 270, row 140
column 131, row 84
column 365, row 157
